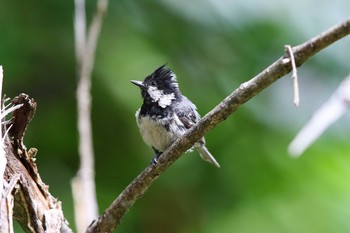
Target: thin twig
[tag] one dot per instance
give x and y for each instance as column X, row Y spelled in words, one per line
column 9, row 110
column 6, row 204
column 1, row 79
column 112, row 216
column 3, row 160
column 11, row 185
column 6, row 134
column 83, row 185
column 79, row 31
column 294, row 75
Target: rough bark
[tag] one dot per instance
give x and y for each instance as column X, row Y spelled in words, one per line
column 34, row 207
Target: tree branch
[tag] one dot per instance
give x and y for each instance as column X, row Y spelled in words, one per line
column 113, row 215
column 3, row 160
column 5, row 206
column 83, row 185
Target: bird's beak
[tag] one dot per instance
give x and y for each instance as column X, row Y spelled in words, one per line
column 137, row 83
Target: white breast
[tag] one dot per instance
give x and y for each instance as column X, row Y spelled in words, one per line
column 155, row 134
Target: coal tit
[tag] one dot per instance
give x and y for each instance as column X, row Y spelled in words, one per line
column 166, row 114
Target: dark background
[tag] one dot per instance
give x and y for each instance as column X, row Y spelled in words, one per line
column 212, row 46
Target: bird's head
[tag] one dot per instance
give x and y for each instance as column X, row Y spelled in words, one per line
column 160, row 87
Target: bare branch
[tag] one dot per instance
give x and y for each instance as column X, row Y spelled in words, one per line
column 6, row 205
column 1, row 79
column 330, row 112
column 9, row 110
column 3, row 160
column 79, row 30
column 5, row 212
column 113, row 214
column 83, row 185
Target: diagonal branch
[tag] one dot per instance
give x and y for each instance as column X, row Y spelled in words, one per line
column 112, row 216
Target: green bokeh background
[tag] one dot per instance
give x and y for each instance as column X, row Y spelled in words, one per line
column 213, row 46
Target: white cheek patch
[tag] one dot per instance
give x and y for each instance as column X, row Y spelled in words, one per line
column 163, row 100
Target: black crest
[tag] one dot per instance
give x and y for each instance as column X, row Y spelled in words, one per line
column 164, row 79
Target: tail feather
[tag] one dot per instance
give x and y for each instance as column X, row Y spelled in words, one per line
column 206, row 155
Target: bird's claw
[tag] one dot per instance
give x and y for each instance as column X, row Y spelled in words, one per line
column 154, row 161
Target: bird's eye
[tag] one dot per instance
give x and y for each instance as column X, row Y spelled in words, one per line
column 153, row 83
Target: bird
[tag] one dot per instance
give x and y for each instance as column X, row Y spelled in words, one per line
column 166, row 114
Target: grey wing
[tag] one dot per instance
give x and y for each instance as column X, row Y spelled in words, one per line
column 187, row 113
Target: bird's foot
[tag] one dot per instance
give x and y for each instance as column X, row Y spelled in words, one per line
column 154, row 161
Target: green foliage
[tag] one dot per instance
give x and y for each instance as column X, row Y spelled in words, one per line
column 259, row 187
